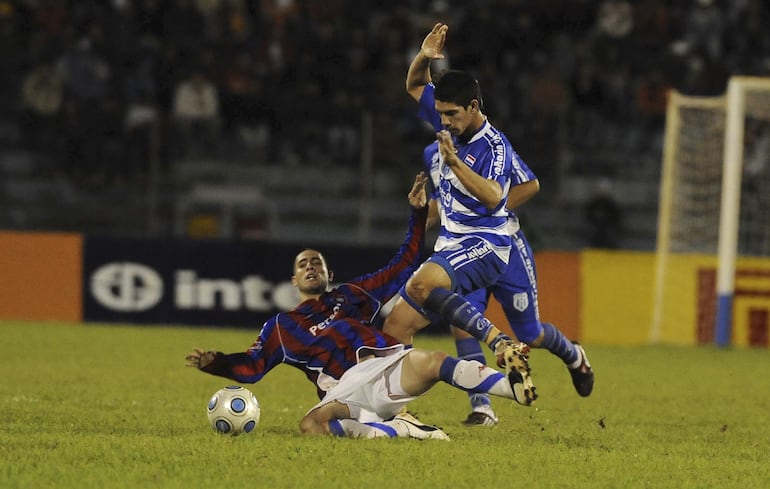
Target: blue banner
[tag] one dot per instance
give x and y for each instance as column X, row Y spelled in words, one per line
column 211, row 283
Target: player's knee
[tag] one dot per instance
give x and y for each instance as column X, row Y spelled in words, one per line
column 437, row 358
column 428, row 277
column 418, row 290
column 311, row 426
column 424, row 365
column 433, row 360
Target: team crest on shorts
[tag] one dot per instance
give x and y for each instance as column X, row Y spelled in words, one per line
column 520, row 301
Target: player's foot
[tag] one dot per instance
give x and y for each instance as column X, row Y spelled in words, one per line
column 414, row 428
column 514, row 356
column 481, row 416
column 583, row 374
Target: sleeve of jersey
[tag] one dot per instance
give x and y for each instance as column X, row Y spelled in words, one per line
column 521, row 172
column 428, row 160
column 427, row 110
column 250, row 366
column 498, row 166
column 386, row 282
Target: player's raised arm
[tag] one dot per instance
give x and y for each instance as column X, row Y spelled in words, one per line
column 418, row 195
column 418, row 74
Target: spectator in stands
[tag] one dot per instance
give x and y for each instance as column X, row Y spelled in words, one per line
column 42, row 95
column 603, row 217
column 196, row 114
column 704, row 28
column 141, row 122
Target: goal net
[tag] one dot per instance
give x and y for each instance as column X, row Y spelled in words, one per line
column 712, row 262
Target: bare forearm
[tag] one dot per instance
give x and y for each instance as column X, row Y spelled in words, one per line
column 418, row 75
column 488, row 192
column 520, row 194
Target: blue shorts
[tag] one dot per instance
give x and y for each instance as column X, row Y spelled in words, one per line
column 516, row 291
column 472, row 266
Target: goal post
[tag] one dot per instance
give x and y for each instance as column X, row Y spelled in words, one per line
column 714, row 210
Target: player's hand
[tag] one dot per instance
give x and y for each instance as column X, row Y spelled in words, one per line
column 433, row 43
column 199, row 358
column 418, row 196
column 447, row 147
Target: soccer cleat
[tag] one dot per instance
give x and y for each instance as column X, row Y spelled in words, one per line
column 485, row 417
column 515, row 358
column 414, row 428
column 583, row 375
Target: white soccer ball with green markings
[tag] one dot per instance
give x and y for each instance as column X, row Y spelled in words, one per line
column 233, row 410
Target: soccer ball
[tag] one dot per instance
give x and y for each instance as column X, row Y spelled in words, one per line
column 233, row 410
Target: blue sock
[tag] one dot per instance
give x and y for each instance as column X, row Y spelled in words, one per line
column 470, row 349
column 455, row 310
column 558, row 344
column 335, row 427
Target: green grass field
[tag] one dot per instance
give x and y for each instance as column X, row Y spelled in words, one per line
column 113, row 406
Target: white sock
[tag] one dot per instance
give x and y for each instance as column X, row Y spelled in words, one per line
column 477, row 377
column 355, row 429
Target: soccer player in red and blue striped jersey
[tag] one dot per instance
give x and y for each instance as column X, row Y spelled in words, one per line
column 322, row 335
column 331, row 336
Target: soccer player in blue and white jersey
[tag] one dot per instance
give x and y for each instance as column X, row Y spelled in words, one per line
column 363, row 375
column 516, row 290
column 473, row 164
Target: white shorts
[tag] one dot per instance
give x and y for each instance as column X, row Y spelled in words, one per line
column 372, row 389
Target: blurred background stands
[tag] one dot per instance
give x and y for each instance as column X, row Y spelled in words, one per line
column 119, row 112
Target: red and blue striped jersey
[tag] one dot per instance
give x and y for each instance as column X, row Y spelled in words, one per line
column 326, row 337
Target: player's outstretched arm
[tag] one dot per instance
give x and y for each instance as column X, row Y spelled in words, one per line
column 199, row 358
column 418, row 74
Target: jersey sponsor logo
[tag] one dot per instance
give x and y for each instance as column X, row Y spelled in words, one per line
column 483, row 324
column 257, row 346
column 479, row 250
column 520, row 301
column 316, row 328
column 499, row 162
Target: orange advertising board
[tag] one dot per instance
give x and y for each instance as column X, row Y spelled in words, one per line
column 41, row 276
column 558, row 274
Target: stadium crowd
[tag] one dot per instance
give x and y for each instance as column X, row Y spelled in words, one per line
column 87, row 82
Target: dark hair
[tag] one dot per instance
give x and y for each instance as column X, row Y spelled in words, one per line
column 458, row 87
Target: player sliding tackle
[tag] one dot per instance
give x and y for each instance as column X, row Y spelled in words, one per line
column 363, row 376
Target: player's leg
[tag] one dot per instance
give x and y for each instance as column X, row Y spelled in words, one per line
column 437, row 286
column 334, row 418
column 517, row 293
column 469, row 348
column 404, row 320
column 358, row 405
column 421, row 369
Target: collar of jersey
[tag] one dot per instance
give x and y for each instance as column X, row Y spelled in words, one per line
column 479, row 134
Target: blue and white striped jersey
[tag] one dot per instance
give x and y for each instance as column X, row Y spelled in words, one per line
column 491, row 155
column 460, row 212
